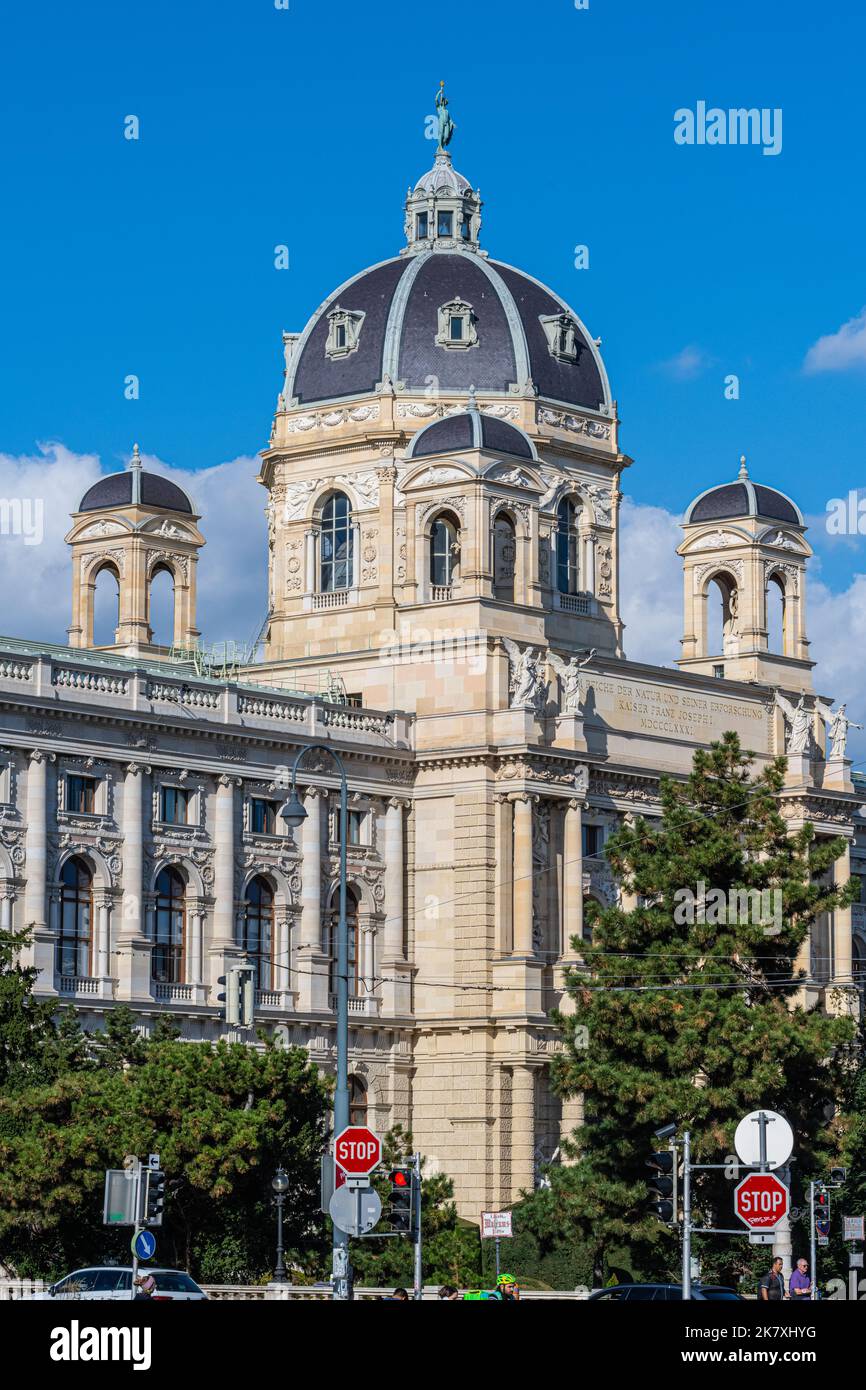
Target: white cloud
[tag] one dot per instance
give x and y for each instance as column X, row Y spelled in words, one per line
column 651, row 583
column 840, row 351
column 36, row 579
column 687, row 364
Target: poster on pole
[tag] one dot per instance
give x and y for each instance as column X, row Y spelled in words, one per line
column 496, row 1225
column 852, row 1227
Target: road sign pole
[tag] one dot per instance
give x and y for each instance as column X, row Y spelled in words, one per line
column 342, row 1279
column 137, row 1210
column 498, row 1268
column 687, row 1215
column 813, row 1244
column 419, row 1271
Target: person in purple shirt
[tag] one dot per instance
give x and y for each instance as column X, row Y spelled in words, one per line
column 800, row 1283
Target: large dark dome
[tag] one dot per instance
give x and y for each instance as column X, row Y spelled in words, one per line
column 741, row 499
column 117, row 491
column 397, row 305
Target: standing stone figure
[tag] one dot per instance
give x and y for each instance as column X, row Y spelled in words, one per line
column 839, row 726
column 528, row 690
column 572, row 683
column 799, row 720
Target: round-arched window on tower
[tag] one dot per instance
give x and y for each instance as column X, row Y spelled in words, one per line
column 444, row 551
column 259, row 931
column 567, row 547
column 336, row 557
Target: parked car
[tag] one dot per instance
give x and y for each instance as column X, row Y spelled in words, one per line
column 642, row 1293
column 115, row 1282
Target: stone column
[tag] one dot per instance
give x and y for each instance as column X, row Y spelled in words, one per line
column 522, row 862
column 36, row 868
column 523, row 1129
column 843, row 953
column 387, row 477
column 504, row 876
column 312, row 961
column 6, row 911
column 223, row 945
column 572, row 874
column 310, row 562
column 396, row 985
column 133, row 947
column 282, row 956
column 103, row 910
column 196, row 942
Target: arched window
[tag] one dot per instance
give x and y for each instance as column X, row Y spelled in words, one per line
column 160, row 606
column 167, row 959
column 75, row 947
column 723, row 616
column 106, row 607
column 775, row 615
column 504, row 557
column 357, row 1100
column 567, row 547
column 330, row 943
column 259, row 930
column 335, row 537
column 444, row 551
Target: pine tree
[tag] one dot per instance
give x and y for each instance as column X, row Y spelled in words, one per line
column 695, row 1021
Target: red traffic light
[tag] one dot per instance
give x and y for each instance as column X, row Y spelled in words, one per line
column 399, row 1177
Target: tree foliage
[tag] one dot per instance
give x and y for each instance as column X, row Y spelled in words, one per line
column 695, row 1022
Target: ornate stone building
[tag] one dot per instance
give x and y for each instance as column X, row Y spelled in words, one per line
column 443, row 482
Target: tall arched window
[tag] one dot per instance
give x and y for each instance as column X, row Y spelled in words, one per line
column 335, row 538
column 331, row 940
column 75, row 947
column 775, row 615
column 259, row 930
column 504, row 557
column 567, row 547
column 167, row 959
column 160, row 606
column 106, row 607
column 444, row 551
column 357, row 1100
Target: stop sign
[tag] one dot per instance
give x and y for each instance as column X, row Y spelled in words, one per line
column 357, row 1150
column 760, row 1201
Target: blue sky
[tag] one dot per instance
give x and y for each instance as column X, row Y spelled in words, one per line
column 262, row 126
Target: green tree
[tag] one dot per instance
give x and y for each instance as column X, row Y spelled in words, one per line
column 222, row 1119
column 26, row 1024
column 694, row 1021
column 450, row 1246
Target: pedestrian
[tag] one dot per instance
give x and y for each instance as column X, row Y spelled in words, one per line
column 448, row 1292
column 398, row 1296
column 800, row 1283
column 146, row 1285
column 772, row 1286
column 507, row 1289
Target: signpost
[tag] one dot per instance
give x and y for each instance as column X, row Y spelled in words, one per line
column 355, row 1210
column 357, row 1150
column 761, row 1200
column 496, row 1225
column 143, row 1245
column 764, row 1139
column 852, row 1228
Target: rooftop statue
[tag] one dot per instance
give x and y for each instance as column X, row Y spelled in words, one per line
column 446, row 125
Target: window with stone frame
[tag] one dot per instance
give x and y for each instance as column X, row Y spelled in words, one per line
column 168, row 957
column 457, row 325
column 336, row 545
column 263, row 816
column 176, row 804
column 344, row 332
column 80, row 796
column 75, row 940
column 258, row 929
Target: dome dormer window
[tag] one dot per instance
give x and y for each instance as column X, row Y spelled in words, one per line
column 457, row 325
column 445, row 223
column 562, row 336
column 422, row 223
column 344, row 332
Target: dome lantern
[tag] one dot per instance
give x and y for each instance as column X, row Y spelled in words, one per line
column 442, row 211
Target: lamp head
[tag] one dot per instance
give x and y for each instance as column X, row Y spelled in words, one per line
column 293, row 812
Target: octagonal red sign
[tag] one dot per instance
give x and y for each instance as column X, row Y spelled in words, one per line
column 760, row 1201
column 357, row 1150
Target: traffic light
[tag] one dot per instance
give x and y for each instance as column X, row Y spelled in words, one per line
column 837, row 1177
column 400, row 1205
column 154, row 1197
column 239, row 996
column 822, row 1211
column 662, row 1187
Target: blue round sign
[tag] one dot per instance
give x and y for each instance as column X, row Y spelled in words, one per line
column 144, row 1245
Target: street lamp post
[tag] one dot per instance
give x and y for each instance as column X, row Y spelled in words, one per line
column 293, row 814
column 280, row 1184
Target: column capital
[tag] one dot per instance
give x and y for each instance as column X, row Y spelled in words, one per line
column 532, row 798
column 136, row 769
column 397, row 803
column 576, row 803
column 313, row 793
column 41, row 755
column 225, row 780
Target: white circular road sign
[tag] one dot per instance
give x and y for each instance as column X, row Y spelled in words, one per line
column 780, row 1139
column 355, row 1210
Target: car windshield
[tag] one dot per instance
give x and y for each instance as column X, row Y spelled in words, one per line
column 716, row 1295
